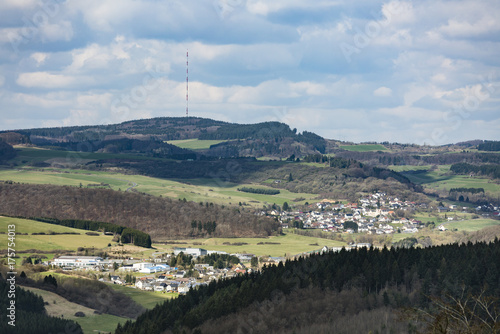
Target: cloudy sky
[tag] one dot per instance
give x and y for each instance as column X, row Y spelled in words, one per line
column 400, row 71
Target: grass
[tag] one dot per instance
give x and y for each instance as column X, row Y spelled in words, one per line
column 58, row 306
column 472, row 225
column 364, row 147
column 147, row 299
column 195, row 144
column 193, row 190
column 49, row 242
column 290, row 244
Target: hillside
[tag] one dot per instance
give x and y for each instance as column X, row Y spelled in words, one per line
column 162, row 218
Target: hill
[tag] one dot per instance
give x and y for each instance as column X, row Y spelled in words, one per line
column 149, row 136
column 162, row 218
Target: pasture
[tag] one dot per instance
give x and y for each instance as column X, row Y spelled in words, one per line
column 364, row 147
column 195, row 144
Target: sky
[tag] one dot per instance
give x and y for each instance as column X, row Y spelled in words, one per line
column 424, row 72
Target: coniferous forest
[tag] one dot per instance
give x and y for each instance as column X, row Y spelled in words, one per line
column 452, row 288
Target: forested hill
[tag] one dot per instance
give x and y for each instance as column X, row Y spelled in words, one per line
column 162, row 218
column 357, row 291
column 149, row 135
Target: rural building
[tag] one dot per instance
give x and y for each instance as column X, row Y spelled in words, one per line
column 77, row 261
column 195, row 252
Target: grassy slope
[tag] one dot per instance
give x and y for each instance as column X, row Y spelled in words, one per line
column 49, row 242
column 195, row 144
column 148, row 299
column 193, row 190
column 59, row 306
column 364, row 147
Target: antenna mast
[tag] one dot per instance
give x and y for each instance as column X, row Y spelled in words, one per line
column 187, row 83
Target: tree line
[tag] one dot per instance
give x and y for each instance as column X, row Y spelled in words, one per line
column 128, row 235
column 489, row 146
column 259, row 191
column 486, row 170
column 418, row 273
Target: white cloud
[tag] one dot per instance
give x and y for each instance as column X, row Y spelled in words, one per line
column 49, row 80
column 382, row 92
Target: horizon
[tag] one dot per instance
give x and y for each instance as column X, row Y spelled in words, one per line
column 180, row 117
column 393, row 71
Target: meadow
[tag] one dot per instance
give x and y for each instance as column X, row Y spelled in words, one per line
column 198, row 190
column 195, row 144
column 363, row 147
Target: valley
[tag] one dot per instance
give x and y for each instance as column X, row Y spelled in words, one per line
column 153, row 210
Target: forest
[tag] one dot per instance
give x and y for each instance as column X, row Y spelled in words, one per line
column 431, row 282
column 162, row 218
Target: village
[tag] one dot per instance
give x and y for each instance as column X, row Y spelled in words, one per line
column 373, row 214
column 159, row 276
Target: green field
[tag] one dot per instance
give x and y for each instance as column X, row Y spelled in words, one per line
column 193, row 190
column 195, row 144
column 364, row 147
column 290, row 244
column 472, row 225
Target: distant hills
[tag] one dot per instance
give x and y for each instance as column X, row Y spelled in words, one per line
column 149, row 136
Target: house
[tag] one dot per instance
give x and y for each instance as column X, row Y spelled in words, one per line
column 183, row 288
column 180, row 274
column 172, row 287
column 442, row 228
column 145, row 283
column 159, row 286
